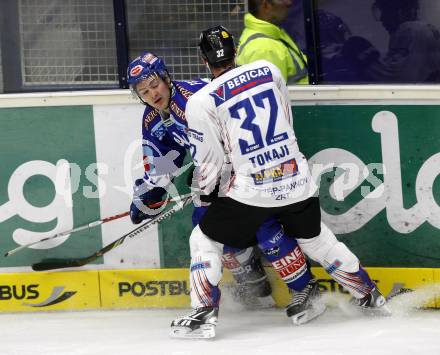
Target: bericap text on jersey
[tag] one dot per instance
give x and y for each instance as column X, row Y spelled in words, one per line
column 247, row 76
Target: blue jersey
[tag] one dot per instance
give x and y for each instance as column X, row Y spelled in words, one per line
column 164, row 135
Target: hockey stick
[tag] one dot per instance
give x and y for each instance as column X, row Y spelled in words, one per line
column 50, row 264
column 83, row 227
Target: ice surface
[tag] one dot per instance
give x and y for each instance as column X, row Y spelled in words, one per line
column 340, row 331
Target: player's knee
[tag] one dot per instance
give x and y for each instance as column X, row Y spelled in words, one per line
column 318, row 247
column 244, row 265
column 205, row 256
column 198, row 242
column 273, row 242
column 329, row 252
column 237, row 260
column 268, row 230
column 341, row 258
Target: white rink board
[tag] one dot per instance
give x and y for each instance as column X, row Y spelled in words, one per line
column 118, row 148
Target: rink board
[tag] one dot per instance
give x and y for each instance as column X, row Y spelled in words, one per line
column 387, row 220
column 167, row 288
column 49, row 291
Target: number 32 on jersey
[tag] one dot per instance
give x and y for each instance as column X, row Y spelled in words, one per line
column 266, row 100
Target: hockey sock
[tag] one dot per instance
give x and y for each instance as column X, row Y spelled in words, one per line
column 338, row 261
column 284, row 254
column 205, row 270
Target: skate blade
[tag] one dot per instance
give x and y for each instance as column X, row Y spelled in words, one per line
column 399, row 292
column 266, row 302
column 383, row 311
column 309, row 314
column 259, row 303
column 205, row 331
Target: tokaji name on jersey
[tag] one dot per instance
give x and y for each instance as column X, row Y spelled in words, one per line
column 269, row 156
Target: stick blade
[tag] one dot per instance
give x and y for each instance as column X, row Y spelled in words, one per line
column 50, row 264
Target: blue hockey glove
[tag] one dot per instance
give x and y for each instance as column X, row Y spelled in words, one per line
column 141, row 198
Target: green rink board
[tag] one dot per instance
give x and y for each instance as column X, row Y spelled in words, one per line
column 174, row 232
column 45, row 135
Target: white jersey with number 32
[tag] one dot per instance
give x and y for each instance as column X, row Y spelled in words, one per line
column 242, row 121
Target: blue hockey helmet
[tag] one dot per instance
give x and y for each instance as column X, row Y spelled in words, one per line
column 144, row 66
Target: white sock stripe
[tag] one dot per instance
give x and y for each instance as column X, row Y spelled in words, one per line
column 195, row 285
column 351, row 282
column 202, row 286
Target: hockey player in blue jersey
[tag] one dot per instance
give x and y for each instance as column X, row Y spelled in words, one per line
column 165, row 144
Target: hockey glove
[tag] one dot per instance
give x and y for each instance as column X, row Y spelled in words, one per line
column 212, row 196
column 139, row 210
column 195, row 188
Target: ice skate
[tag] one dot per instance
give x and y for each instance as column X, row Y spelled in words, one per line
column 306, row 304
column 255, row 294
column 199, row 324
column 373, row 304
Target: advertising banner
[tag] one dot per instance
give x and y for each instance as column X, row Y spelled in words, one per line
column 169, row 288
column 31, row 292
column 145, row 288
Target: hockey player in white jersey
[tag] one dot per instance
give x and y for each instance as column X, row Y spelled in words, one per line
column 165, row 145
column 244, row 147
